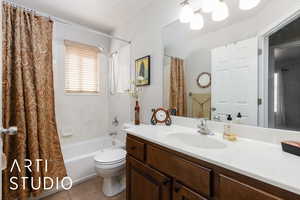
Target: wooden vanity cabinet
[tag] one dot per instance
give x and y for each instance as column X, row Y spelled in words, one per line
column 181, row 192
column 136, row 149
column 145, row 183
column 235, row 190
column 191, row 174
column 158, row 173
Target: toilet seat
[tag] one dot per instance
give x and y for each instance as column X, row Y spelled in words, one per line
column 110, row 157
column 110, row 165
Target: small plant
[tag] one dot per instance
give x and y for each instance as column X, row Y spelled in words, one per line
column 135, row 91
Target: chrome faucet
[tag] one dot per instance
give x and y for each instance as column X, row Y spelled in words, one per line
column 203, row 129
column 115, row 122
column 217, row 118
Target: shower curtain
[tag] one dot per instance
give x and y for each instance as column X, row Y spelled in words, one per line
column 120, row 71
column 177, row 87
column 28, row 103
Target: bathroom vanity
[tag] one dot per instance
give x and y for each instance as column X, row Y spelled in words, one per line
column 159, row 167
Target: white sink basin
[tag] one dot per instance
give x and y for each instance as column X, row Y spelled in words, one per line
column 199, row 141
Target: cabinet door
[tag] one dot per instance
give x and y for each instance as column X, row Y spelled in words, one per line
column 144, row 183
column 231, row 189
column 181, row 192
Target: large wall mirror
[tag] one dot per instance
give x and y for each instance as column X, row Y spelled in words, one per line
column 247, row 65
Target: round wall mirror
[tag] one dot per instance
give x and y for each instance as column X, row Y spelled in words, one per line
column 204, row 80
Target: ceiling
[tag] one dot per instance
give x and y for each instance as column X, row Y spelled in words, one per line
column 102, row 15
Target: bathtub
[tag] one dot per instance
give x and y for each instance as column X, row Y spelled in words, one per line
column 79, row 160
column 79, row 157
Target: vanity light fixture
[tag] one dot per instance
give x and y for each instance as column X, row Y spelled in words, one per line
column 186, row 12
column 248, row 4
column 197, row 21
column 221, row 11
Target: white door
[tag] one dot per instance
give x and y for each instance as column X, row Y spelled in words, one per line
column 235, row 81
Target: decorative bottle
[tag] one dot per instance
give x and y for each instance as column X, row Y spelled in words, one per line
column 137, row 113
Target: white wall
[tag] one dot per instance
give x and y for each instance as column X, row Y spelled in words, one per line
column 145, row 32
column 85, row 116
column 120, row 104
column 196, row 62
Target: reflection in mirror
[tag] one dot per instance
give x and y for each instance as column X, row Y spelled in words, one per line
column 223, row 69
column 204, row 80
column 284, row 73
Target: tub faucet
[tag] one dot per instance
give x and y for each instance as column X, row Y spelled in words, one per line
column 203, row 129
column 115, row 122
column 113, row 134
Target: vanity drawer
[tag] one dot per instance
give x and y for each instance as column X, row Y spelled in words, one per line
column 192, row 175
column 181, row 192
column 231, row 189
column 135, row 148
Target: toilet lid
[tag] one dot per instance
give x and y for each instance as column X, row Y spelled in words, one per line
column 110, row 156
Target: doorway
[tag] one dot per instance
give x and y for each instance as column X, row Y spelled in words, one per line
column 284, row 78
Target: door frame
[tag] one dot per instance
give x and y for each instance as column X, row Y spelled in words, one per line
column 263, row 39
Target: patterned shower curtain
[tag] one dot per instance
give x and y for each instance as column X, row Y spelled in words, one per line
column 28, row 103
column 177, row 87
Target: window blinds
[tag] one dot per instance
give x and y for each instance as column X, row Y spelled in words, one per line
column 81, row 68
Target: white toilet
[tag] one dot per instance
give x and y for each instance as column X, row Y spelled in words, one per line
column 110, row 165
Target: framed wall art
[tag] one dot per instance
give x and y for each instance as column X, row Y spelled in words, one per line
column 142, row 71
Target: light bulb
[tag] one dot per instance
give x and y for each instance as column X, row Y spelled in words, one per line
column 186, row 13
column 248, row 4
column 221, row 12
column 197, row 22
column 209, row 5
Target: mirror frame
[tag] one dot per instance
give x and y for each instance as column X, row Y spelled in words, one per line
column 199, row 76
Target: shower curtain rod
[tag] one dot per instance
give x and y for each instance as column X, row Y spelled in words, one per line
column 63, row 21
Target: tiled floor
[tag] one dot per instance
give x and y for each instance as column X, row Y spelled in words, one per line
column 90, row 190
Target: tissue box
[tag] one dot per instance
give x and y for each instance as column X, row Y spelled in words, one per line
column 292, row 147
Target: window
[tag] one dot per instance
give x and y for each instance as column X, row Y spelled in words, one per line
column 81, row 68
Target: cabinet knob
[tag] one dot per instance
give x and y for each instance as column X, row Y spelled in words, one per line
column 177, row 188
column 166, row 182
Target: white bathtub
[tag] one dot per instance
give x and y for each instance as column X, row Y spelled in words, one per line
column 79, row 157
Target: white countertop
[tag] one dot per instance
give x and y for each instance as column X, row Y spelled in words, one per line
column 263, row 161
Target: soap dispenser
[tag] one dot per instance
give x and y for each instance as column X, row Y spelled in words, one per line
column 227, row 126
column 239, row 118
column 228, row 135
